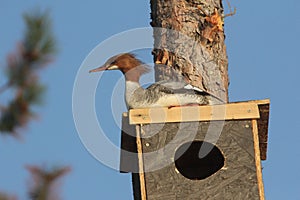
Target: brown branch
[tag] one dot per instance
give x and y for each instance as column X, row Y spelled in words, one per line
column 231, row 12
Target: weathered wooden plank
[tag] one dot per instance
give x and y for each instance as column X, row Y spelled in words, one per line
column 232, row 111
column 257, row 160
column 260, row 102
column 141, row 163
column 263, row 124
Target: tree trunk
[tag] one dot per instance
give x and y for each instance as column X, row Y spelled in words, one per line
column 189, row 44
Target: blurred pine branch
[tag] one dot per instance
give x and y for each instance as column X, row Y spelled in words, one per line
column 45, row 182
column 33, row 53
column 4, row 196
column 36, row 50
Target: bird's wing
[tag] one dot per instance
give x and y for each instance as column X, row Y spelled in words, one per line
column 158, row 88
column 179, row 87
column 175, row 87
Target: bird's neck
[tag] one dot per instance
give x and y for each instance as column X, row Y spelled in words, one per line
column 133, row 75
column 132, row 79
column 133, row 92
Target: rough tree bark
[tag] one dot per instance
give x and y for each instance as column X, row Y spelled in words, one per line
column 202, row 58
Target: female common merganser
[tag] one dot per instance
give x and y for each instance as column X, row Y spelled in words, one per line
column 159, row 94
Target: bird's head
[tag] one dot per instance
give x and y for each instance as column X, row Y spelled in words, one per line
column 125, row 62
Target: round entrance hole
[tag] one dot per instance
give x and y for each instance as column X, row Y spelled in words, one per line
column 192, row 165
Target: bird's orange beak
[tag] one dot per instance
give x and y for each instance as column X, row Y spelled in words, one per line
column 102, row 68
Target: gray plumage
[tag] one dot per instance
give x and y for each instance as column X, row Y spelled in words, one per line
column 161, row 94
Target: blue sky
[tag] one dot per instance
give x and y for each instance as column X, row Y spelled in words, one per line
column 263, row 48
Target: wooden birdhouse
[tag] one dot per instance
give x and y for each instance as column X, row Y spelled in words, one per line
column 197, row 152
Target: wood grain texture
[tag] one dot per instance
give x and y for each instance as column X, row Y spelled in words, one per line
column 144, row 116
column 141, row 163
column 236, row 180
column 240, row 178
column 230, row 111
column 257, row 160
column 263, row 126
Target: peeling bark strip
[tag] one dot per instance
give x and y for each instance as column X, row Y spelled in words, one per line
column 190, row 42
